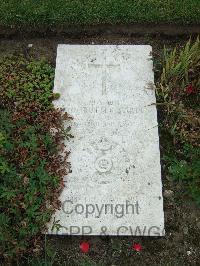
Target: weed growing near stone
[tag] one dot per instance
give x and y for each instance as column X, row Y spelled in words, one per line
column 178, row 98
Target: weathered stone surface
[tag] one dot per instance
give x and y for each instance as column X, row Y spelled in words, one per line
column 115, row 185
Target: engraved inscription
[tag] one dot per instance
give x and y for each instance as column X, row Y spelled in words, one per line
column 104, row 108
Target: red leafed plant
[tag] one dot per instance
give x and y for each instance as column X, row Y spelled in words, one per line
column 32, row 138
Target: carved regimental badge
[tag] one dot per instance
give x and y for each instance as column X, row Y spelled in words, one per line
column 108, row 159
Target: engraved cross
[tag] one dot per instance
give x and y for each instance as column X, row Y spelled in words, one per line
column 105, row 68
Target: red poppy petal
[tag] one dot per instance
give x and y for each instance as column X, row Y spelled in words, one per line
column 137, row 247
column 85, row 247
column 189, row 89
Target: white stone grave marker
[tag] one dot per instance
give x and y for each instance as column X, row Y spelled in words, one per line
column 115, row 186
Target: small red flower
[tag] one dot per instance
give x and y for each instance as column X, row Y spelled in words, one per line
column 85, row 247
column 137, row 247
column 189, row 89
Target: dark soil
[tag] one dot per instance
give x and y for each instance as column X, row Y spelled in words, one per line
column 102, row 29
column 181, row 245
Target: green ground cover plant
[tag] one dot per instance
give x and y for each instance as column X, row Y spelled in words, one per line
column 58, row 12
column 24, row 83
column 178, row 98
column 32, row 135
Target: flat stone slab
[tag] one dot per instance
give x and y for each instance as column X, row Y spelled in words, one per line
column 115, row 185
